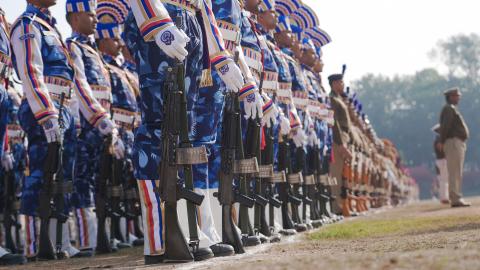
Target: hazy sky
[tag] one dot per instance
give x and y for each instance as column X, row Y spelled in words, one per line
column 379, row 36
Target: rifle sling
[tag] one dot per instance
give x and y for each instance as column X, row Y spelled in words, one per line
column 191, row 155
column 246, row 166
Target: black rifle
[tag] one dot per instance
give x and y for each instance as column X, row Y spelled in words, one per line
column 227, row 195
column 244, row 219
column 177, row 151
column 51, row 196
column 10, row 212
column 102, row 205
column 115, row 192
column 260, row 185
column 284, row 193
column 131, row 201
column 266, row 189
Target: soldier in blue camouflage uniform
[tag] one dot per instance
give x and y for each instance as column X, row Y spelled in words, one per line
column 6, row 110
column 95, row 79
column 208, row 109
column 36, row 43
column 156, row 41
column 124, row 102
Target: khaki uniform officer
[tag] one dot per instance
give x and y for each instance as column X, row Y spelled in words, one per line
column 453, row 135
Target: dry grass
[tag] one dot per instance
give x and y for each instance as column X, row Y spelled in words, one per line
column 379, row 227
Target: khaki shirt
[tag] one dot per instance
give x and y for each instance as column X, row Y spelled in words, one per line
column 342, row 126
column 452, row 124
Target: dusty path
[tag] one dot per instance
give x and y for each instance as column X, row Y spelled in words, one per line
column 421, row 236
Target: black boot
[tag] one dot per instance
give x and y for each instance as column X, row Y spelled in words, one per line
column 201, row 254
column 84, row 254
column 153, row 259
column 12, row 259
column 250, row 240
column 222, row 250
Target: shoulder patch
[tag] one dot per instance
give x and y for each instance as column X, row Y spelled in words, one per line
column 27, row 36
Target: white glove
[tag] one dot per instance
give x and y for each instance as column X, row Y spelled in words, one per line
column 7, row 161
column 106, row 126
column 253, row 104
column 118, row 148
column 270, row 112
column 284, row 125
column 312, row 139
column 309, row 122
column 231, row 75
column 172, row 42
column 52, row 130
column 299, row 138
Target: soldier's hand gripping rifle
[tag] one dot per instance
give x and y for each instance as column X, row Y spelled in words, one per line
column 178, row 151
column 52, row 195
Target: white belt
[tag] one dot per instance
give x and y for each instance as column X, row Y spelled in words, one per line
column 253, row 63
column 284, row 95
column 59, row 90
column 300, row 103
column 231, row 35
column 15, row 133
column 106, row 95
column 123, row 118
column 270, row 85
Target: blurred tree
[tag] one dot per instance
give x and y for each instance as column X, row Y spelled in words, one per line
column 404, row 108
column 461, row 55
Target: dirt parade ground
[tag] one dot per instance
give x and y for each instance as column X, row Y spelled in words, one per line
column 424, row 235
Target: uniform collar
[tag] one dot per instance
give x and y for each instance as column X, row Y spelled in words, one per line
column 130, row 65
column 84, row 38
column 111, row 60
column 43, row 13
column 287, row 51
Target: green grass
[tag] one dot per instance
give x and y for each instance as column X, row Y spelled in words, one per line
column 377, row 228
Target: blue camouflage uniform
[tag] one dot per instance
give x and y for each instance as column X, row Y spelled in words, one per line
column 36, row 42
column 5, row 103
column 90, row 140
column 124, row 102
column 149, row 18
column 5, row 69
column 270, row 83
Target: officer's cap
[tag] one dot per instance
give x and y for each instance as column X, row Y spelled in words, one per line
column 308, row 44
column 283, row 24
column 305, row 17
column 80, row 6
column 266, row 5
column 108, row 30
column 452, row 92
column 319, row 36
column 287, row 7
column 112, row 11
column 335, row 77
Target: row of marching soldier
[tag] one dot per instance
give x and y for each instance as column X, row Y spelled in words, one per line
column 194, row 128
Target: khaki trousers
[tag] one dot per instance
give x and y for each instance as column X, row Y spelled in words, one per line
column 455, row 154
column 442, row 179
column 336, row 170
